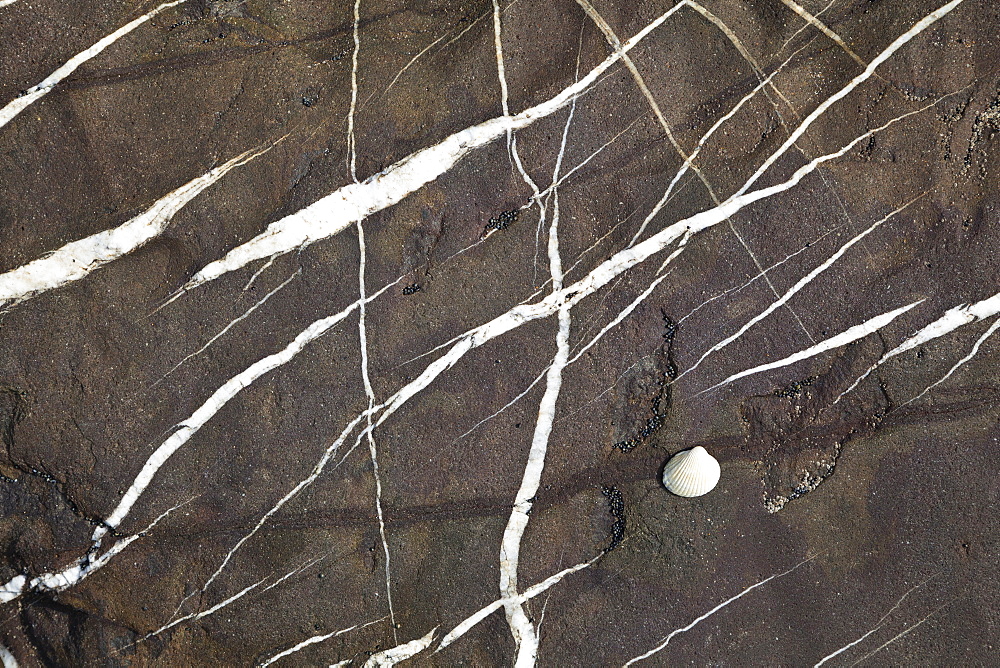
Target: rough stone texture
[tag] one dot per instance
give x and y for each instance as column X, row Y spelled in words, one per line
column 887, row 496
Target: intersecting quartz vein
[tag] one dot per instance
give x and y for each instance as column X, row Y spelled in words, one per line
column 952, row 319
column 822, row 27
column 517, row 316
column 688, row 160
column 903, row 633
column 531, row 592
column 79, row 570
column 754, row 278
column 19, row 104
column 525, row 637
column 362, row 326
column 805, row 26
column 972, row 353
column 714, row 610
column 394, row 655
column 372, row 449
column 356, row 201
column 314, row 640
column 4, row 3
column 799, row 285
column 881, row 623
column 215, row 403
column 77, row 259
column 869, row 71
column 569, row 296
column 195, row 616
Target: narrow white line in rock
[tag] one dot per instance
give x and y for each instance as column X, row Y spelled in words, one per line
column 19, row 104
column 600, row 394
column 805, row 26
column 903, row 633
column 356, row 201
column 747, row 284
column 847, row 336
column 316, row 639
column 822, row 27
column 795, row 289
column 598, row 151
column 195, row 616
column 877, row 626
column 402, row 71
column 391, row 657
column 351, row 146
column 618, row 318
column 81, row 569
column 214, row 404
column 501, row 70
column 972, row 353
column 529, row 593
column 233, row 323
column 372, row 449
column 736, row 42
column 713, row 611
column 510, row 403
column 896, row 45
column 264, row 267
column 78, row 259
column 6, row 656
column 947, row 323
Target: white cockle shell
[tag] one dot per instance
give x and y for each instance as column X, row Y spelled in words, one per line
column 692, row 472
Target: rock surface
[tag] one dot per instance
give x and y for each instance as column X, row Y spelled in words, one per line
column 188, row 473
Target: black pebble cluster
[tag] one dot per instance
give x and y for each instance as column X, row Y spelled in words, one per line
column 412, row 289
column 616, row 506
column 503, row 220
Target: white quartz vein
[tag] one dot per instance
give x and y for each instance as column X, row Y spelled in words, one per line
column 351, row 147
column 714, row 610
column 246, row 314
column 902, row 633
column 972, row 353
column 816, row 113
column 391, row 657
column 370, row 394
column 847, row 336
column 881, row 622
column 355, row 201
column 822, row 27
column 19, row 104
column 952, row 319
column 78, row 259
column 799, row 285
column 6, row 656
column 215, row 403
column 316, row 639
column 525, row 637
column 4, row 3
column 79, row 570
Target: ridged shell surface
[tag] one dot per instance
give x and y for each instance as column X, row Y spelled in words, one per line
column 692, row 472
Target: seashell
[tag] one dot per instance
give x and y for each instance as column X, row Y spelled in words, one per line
column 692, row 472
